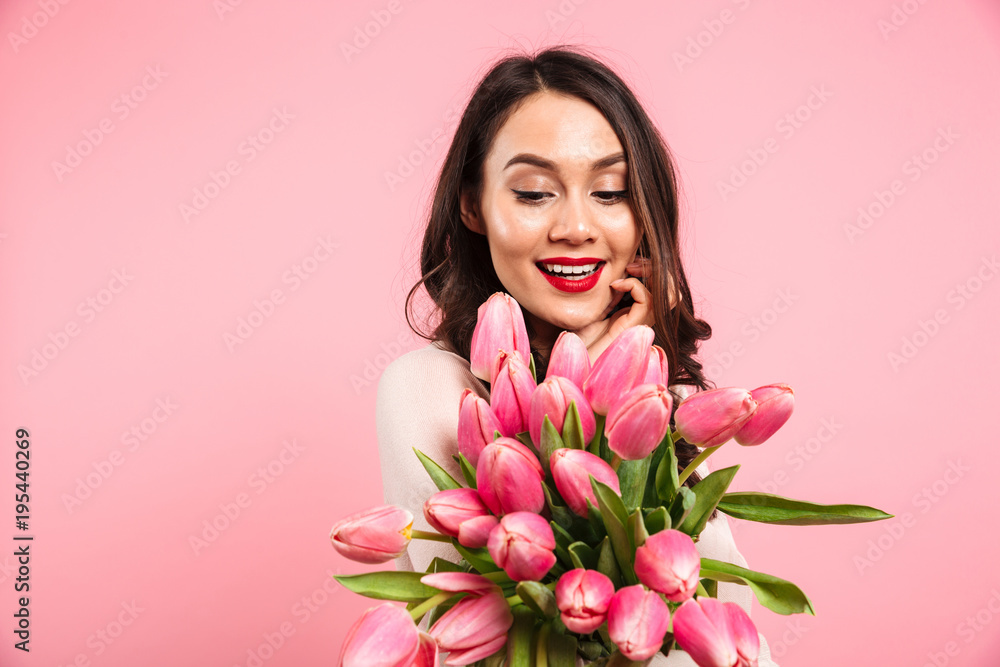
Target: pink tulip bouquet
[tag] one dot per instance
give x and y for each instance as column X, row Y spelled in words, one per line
column 574, row 527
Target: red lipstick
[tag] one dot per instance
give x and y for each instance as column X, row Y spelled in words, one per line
column 572, row 284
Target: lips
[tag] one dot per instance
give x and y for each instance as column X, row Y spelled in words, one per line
column 567, row 283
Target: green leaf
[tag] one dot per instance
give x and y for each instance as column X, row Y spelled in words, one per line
column 657, row 520
column 389, row 585
column 594, row 446
column 478, row 558
column 666, row 474
column 768, row 508
column 519, row 637
column 563, row 541
column 711, row 587
column 707, row 493
column 681, row 507
column 636, row 527
column 549, row 444
column 572, row 433
column 595, row 518
column 583, row 555
column 538, row 598
column 778, row 595
column 468, row 471
column 439, row 475
column 632, row 477
column 615, row 517
column 607, row 564
column 524, row 437
column 531, row 367
column 560, row 513
column 442, row 565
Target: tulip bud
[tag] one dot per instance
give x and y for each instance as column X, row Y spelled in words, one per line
column 376, row 535
column 658, row 368
column 384, row 636
column 638, row 422
column 475, row 533
column 523, row 545
column 618, row 368
column 499, row 326
column 569, row 359
column 571, row 471
column 509, row 478
column 552, row 398
column 744, row 634
column 669, row 563
column 448, row 510
column 475, row 628
column 774, row 407
column 637, row 622
column 583, row 598
column 710, row 418
column 701, row 627
column 511, row 395
column 476, row 425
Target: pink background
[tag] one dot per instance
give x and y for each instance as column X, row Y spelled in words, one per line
column 792, row 292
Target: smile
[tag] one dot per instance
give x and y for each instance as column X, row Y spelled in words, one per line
column 572, row 278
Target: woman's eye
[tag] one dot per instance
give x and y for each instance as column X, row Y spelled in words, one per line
column 529, row 195
column 611, row 196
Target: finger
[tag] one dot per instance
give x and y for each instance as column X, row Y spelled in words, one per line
column 640, row 312
column 643, row 267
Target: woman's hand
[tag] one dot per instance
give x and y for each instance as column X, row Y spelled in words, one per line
column 598, row 335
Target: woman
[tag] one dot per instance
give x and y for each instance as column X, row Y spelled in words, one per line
column 558, row 190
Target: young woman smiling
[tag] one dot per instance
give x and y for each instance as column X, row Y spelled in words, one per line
column 557, row 189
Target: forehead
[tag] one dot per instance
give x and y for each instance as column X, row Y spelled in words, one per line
column 566, row 130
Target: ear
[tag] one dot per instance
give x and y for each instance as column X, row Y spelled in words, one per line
column 469, row 210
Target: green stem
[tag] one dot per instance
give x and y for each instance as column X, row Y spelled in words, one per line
column 417, row 612
column 675, row 436
column 615, row 462
column 698, row 460
column 427, row 535
column 541, row 650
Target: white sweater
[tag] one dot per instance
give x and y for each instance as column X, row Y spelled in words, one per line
column 417, row 407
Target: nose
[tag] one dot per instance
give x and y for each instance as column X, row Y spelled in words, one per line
column 573, row 222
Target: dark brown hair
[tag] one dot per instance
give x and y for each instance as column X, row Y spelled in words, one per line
column 456, row 267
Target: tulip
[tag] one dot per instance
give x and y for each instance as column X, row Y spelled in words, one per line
column 499, row 326
column 511, row 395
column 427, row 652
column 475, row 628
column 669, row 563
column 569, row 359
column 744, row 633
column 477, row 425
column 475, row 533
column 509, row 478
column 710, row 418
column 638, row 422
column 701, row 627
column 449, row 510
column 523, row 545
column 460, row 582
column 658, row 368
column 552, row 398
column 384, row 636
column 618, row 368
column 637, row 622
column 376, row 535
column 583, row 598
column 774, row 407
column 571, row 471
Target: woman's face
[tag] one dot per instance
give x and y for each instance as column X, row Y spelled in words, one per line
column 555, row 201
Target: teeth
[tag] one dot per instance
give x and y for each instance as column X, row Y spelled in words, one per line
column 573, row 271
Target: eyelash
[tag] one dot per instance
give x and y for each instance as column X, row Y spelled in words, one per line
column 527, row 196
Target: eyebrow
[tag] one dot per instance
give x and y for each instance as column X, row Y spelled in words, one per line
column 538, row 161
